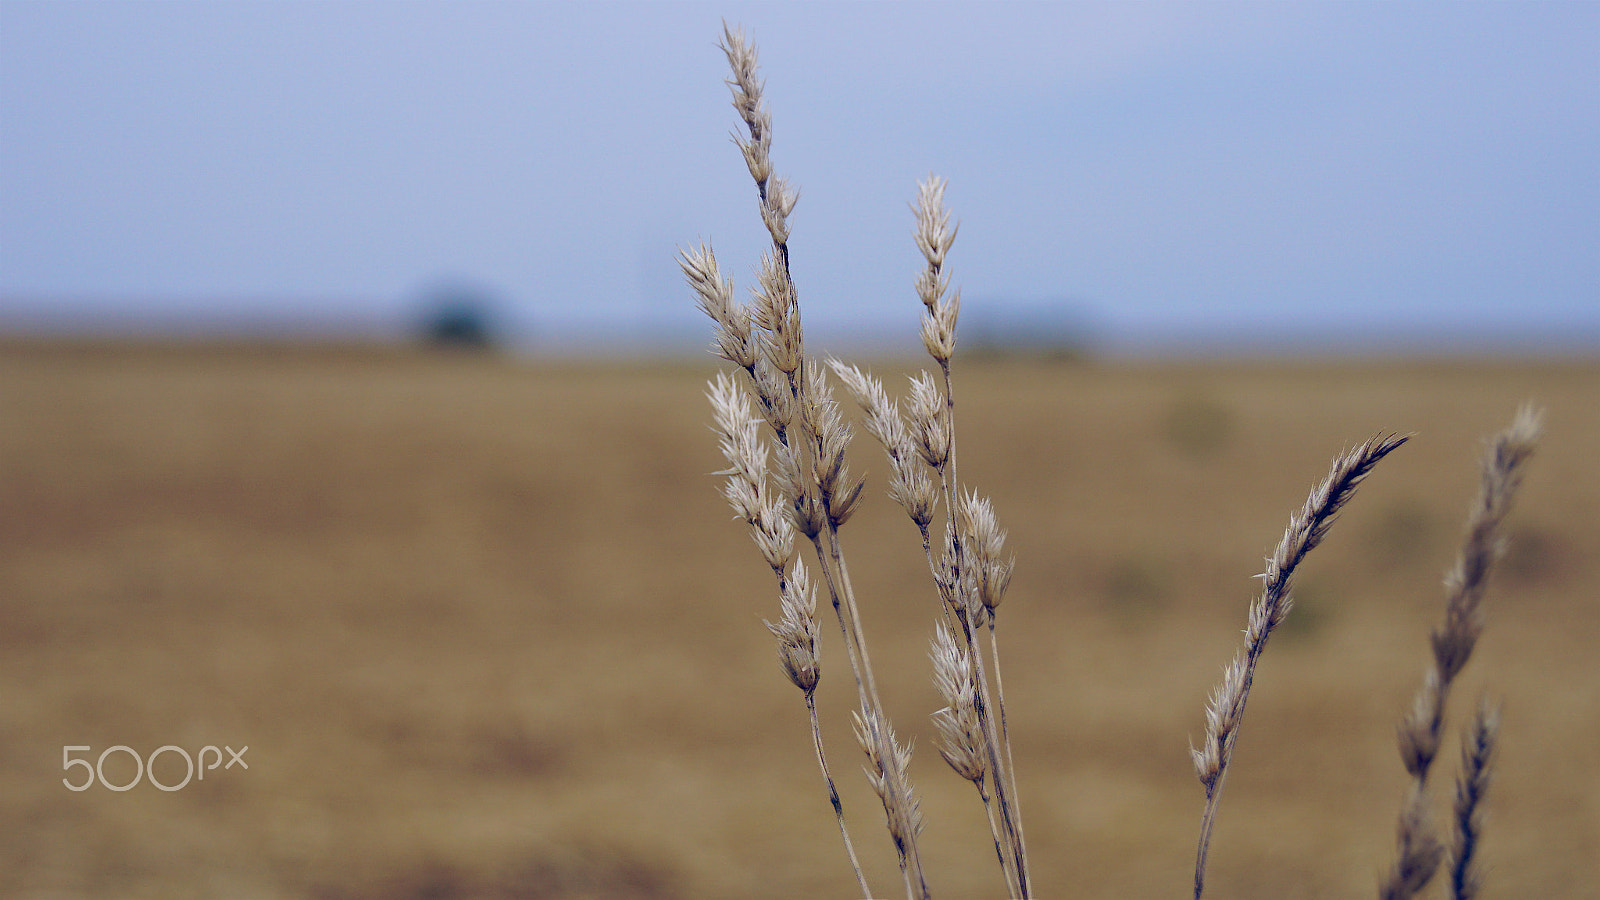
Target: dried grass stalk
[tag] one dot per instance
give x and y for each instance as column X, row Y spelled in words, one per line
column 971, row 571
column 1477, row 757
column 886, row 766
column 1418, row 853
column 1225, row 710
column 808, row 490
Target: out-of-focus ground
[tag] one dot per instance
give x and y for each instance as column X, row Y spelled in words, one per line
column 489, row 631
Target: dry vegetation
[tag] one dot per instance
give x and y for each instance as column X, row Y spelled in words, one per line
column 788, row 479
column 489, row 631
column 486, row 631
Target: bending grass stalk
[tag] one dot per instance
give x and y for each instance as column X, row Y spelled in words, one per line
column 1225, row 710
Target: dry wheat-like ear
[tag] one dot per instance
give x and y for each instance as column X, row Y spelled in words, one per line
column 807, row 490
column 748, row 491
column 1418, row 852
column 1225, row 710
column 962, row 734
column 1477, row 756
column 970, row 570
column 887, row 761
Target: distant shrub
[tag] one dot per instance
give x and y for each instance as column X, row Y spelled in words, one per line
column 459, row 316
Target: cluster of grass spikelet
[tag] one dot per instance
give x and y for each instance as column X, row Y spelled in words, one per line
column 785, row 439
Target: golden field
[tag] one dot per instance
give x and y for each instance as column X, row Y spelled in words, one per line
column 488, row 630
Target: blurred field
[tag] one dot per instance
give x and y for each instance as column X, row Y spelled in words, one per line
column 488, row 630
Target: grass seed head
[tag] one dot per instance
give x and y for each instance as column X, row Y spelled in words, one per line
column 796, row 630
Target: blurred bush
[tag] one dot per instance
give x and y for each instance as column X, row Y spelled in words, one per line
column 459, row 315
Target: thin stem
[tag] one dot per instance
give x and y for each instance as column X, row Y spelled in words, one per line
column 911, row 855
column 1009, row 771
column 1005, row 738
column 992, row 740
column 846, row 615
column 833, row 793
column 1004, row 777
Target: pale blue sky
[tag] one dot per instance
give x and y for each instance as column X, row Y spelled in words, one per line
column 1396, row 174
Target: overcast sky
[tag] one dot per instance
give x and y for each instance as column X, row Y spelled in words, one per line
column 1388, row 173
